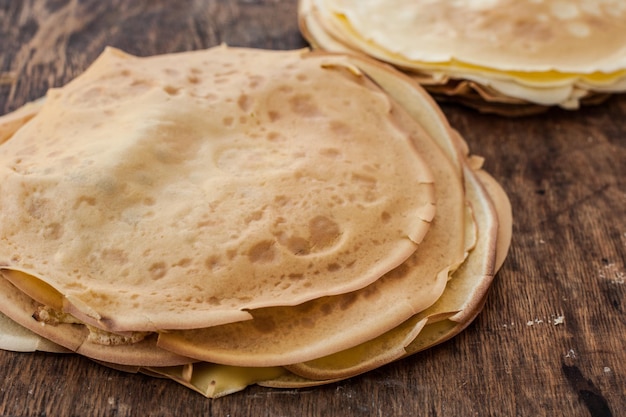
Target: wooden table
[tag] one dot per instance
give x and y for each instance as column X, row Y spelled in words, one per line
column 565, row 174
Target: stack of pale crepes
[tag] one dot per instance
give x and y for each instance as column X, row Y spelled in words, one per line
column 235, row 216
column 506, row 56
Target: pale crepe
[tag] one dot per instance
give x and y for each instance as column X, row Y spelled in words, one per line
column 569, row 36
column 190, row 188
column 442, row 87
column 513, row 49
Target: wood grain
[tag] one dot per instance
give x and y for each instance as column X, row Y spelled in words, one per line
column 564, row 172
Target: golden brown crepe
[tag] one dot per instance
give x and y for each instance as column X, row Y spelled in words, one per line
column 233, row 216
column 431, row 327
column 212, row 181
column 286, row 335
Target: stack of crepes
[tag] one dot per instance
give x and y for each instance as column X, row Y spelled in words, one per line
column 511, row 57
column 235, row 216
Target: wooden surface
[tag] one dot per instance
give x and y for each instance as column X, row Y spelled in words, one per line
column 565, row 174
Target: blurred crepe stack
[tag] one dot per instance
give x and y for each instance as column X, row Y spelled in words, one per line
column 235, row 216
column 503, row 56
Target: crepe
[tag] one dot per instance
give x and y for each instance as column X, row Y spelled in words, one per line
column 505, row 56
column 449, row 317
column 286, row 335
column 218, row 224
column 118, row 165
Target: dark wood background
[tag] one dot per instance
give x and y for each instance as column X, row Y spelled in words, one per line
column 565, row 174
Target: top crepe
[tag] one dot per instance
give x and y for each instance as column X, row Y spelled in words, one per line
column 189, row 188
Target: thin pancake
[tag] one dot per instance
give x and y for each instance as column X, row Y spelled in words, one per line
column 509, row 35
column 448, row 153
column 410, row 337
column 453, row 313
column 287, row 335
column 211, row 182
column 537, row 79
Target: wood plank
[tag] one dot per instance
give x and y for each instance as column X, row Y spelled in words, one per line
column 564, row 172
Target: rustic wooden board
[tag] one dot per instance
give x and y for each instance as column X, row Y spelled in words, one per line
column 565, row 174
